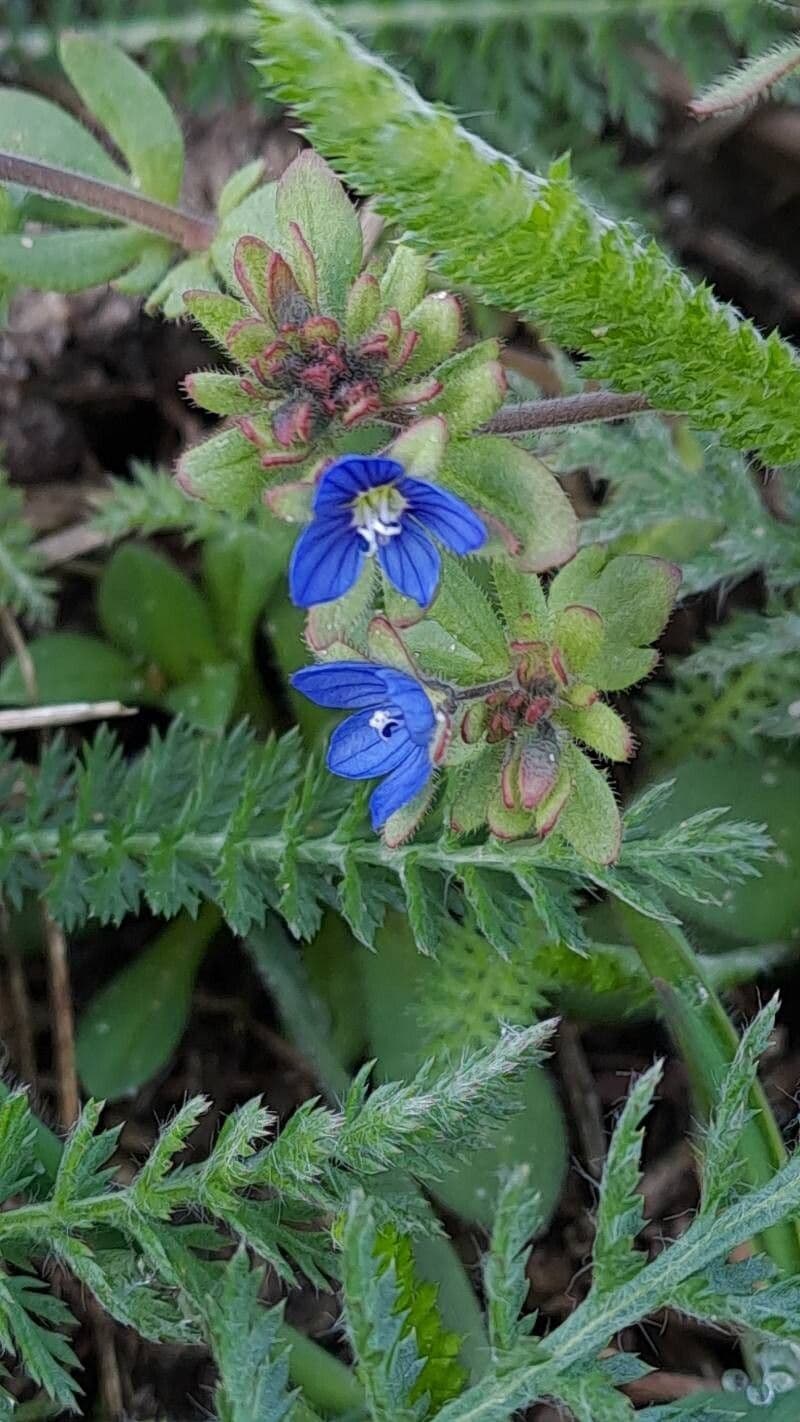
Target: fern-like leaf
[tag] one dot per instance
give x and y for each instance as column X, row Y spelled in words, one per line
column 24, row 586
column 504, row 1268
column 531, row 244
column 619, row 1208
column 251, row 827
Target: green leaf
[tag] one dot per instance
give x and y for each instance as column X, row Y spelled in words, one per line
column 249, row 1349
column 766, row 907
column 404, row 282
column 155, row 614
column 310, row 194
column 207, row 699
column 35, row 128
column 255, row 216
column 418, row 1007
column 619, row 1208
column 239, row 186
column 70, row 261
column 220, row 393
column 522, row 602
column 460, row 636
column 24, row 586
column 240, row 569
column 131, row 1027
column 517, row 1218
column 131, row 108
column 225, row 470
column 505, row 482
column 590, row 820
column 71, row 666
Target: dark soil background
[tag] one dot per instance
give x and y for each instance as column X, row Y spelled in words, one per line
column 86, row 384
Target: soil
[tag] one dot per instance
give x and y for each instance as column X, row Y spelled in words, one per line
column 88, row 383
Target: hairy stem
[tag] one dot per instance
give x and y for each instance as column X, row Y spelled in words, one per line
column 189, row 231
column 707, row 1041
column 580, row 409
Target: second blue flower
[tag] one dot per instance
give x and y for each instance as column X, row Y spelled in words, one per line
column 368, row 506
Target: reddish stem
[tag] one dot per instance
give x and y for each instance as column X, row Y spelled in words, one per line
column 193, row 233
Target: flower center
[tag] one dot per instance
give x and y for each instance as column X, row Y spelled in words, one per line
column 377, row 515
column 384, row 723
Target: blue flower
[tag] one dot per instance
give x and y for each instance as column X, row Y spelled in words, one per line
column 390, row 734
column 368, row 506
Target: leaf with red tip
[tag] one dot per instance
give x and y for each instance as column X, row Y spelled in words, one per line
column 303, row 264
column 347, row 618
column 310, row 195
column 251, row 259
column 503, row 822
column 538, row 766
column 579, row 632
column 549, row 811
column 292, row 422
column 215, row 312
column 220, row 393
column 225, row 470
column 291, row 502
column 249, row 338
column 385, row 645
column 287, row 304
column 437, row 321
column 416, row 393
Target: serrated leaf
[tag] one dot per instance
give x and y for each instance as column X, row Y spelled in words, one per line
column 517, row 1218
column 131, row 108
column 619, row 1208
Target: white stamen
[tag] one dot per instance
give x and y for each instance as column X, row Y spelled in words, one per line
column 376, row 516
column 379, row 720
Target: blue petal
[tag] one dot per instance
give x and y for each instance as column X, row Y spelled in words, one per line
column 410, row 699
column 412, row 563
column 399, row 787
column 353, row 475
column 342, row 686
column 326, row 561
column 357, row 751
column 445, row 515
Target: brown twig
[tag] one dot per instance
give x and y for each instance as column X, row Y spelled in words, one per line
column 565, row 410
column 579, row 1086
column 18, row 645
column 63, row 1021
column 25, row 1054
column 189, row 231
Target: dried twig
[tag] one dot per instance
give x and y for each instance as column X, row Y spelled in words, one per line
column 63, row 1021
column 38, row 718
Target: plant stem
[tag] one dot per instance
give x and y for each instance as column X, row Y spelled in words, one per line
column 707, row 1041
column 591, row 405
column 189, row 231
